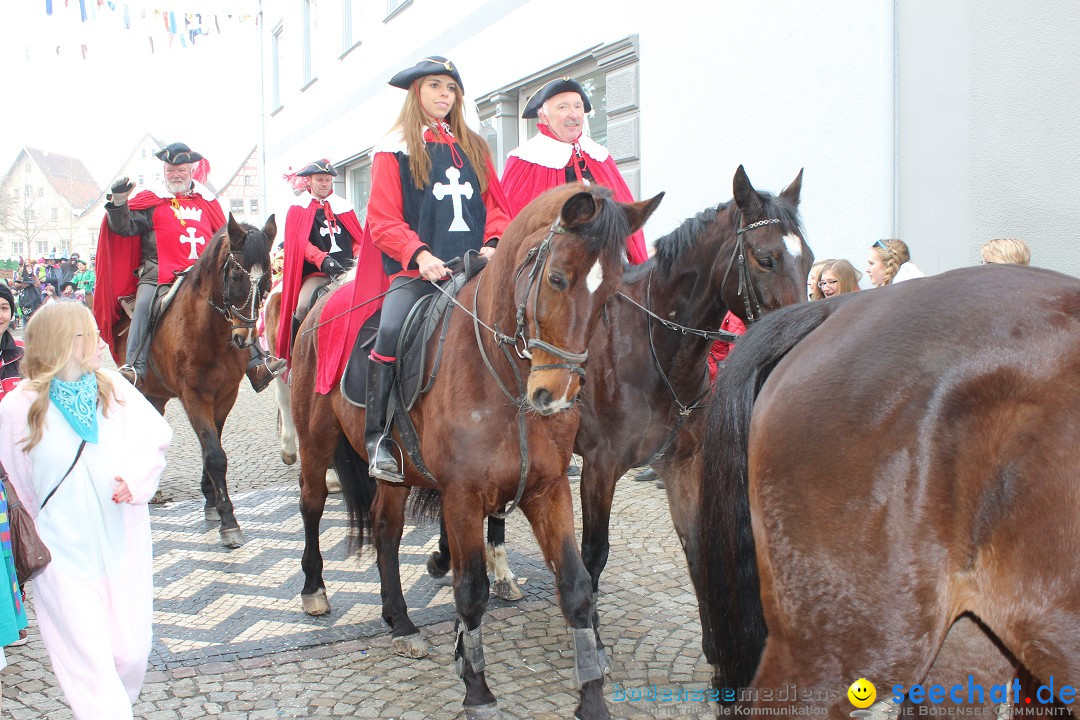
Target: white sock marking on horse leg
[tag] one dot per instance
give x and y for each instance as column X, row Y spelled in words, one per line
column 595, row 277
column 498, row 563
column 793, row 244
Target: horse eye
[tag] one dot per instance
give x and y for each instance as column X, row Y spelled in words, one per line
column 765, row 262
column 557, row 280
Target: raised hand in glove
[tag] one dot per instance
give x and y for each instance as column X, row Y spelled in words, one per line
column 332, row 267
column 120, row 190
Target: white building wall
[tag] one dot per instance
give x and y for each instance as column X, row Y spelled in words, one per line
column 774, row 85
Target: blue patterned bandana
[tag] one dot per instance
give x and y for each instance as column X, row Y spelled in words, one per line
column 77, row 401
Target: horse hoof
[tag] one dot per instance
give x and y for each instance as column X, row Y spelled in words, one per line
column 211, row 514
column 231, row 538
column 482, row 712
column 333, row 485
column 288, row 458
column 434, row 569
column 508, row 589
column 316, row 604
column 413, row 646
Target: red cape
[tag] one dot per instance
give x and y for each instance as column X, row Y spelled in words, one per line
column 298, row 224
column 346, row 311
column 117, row 258
column 523, row 181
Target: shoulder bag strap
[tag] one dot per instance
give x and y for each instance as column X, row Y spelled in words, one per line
column 72, row 467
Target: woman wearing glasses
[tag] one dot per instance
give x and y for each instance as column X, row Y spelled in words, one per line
column 838, row 277
column 889, row 261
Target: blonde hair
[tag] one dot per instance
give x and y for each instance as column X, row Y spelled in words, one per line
column 50, row 343
column 845, row 273
column 894, row 254
column 1006, row 251
column 815, row 277
column 412, row 121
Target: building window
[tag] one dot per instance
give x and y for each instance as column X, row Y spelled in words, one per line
column 144, row 153
column 29, row 191
column 29, row 168
column 254, row 204
column 30, row 214
column 42, row 247
column 350, row 24
column 247, row 179
column 17, row 248
column 41, row 192
column 358, row 187
column 141, row 180
column 236, row 206
column 276, row 49
column 394, row 6
column 308, row 20
column 55, row 214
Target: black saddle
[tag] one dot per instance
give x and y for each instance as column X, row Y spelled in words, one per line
column 431, row 312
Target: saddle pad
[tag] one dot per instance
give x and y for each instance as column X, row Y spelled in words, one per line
column 354, row 379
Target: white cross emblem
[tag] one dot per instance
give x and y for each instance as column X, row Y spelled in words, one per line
column 332, row 231
column 192, row 240
column 456, row 191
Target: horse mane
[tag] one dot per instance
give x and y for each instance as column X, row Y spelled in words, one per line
column 671, row 247
column 250, row 254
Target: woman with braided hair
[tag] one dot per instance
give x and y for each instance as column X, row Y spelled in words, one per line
column 889, row 262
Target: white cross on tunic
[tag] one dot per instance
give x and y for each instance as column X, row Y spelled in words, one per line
column 192, row 240
column 456, row 191
column 332, row 231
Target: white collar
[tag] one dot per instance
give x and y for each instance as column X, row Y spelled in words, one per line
column 337, row 203
column 551, row 153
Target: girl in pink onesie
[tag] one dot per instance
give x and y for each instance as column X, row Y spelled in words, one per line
column 85, row 452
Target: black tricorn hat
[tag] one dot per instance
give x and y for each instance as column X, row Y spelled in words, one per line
column 318, row 167
column 66, row 284
column 553, row 88
column 177, row 154
column 433, row 65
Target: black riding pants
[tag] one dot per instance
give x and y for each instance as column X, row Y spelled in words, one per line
column 403, row 294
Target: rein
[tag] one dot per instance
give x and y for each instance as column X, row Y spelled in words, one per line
column 231, row 312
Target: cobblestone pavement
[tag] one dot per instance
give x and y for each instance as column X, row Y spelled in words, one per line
column 232, row 642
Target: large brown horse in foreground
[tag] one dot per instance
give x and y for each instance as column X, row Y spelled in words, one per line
column 556, row 266
column 882, row 464
column 199, row 352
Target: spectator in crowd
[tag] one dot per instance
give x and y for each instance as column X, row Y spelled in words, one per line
column 67, row 291
column 30, row 297
column 87, row 481
column 1005, row 251
column 11, row 350
column 839, row 277
column 813, row 291
column 889, row 261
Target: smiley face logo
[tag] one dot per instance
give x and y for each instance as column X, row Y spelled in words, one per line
column 862, row 693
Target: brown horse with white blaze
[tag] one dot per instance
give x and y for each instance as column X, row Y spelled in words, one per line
column 941, row 484
column 555, row 268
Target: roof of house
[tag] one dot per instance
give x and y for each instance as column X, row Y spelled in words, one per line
column 239, row 169
column 68, row 176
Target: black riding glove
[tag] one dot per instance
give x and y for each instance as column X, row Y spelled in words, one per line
column 332, row 267
column 120, row 190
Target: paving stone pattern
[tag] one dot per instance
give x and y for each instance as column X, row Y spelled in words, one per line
column 231, row 641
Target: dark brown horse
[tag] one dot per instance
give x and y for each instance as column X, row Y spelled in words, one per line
column 199, row 349
column 556, row 266
column 647, row 380
column 883, row 463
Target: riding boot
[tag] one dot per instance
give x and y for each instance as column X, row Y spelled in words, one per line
column 138, row 342
column 263, row 368
column 381, row 461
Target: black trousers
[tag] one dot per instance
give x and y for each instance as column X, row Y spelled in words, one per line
column 403, row 294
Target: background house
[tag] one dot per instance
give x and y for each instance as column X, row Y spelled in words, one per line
column 941, row 123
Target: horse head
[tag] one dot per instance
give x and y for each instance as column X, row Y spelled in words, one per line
column 564, row 276
column 245, row 277
column 768, row 260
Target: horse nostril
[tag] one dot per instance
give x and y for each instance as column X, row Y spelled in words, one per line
column 542, row 398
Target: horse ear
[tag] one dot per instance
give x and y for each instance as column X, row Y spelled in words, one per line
column 637, row 213
column 236, row 233
column 791, row 192
column 270, row 228
column 579, row 209
column 746, row 197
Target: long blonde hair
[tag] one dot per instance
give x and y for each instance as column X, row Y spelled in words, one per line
column 893, row 253
column 845, row 273
column 814, row 278
column 50, row 342
column 412, row 121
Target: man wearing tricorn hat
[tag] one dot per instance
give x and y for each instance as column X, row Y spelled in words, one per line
column 322, row 238
column 145, row 241
column 560, row 153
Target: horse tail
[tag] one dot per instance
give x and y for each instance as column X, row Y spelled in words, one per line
column 357, row 488
column 733, row 626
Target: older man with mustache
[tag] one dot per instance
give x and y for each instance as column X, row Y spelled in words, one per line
column 162, row 230
column 559, row 153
